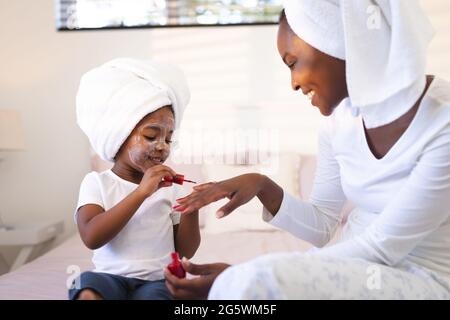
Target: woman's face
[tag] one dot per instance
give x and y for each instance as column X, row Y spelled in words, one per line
column 312, row 71
column 149, row 143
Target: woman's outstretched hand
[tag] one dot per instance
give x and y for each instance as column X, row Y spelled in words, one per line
column 239, row 190
column 194, row 288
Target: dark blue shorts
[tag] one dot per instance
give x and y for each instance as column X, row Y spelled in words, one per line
column 113, row 287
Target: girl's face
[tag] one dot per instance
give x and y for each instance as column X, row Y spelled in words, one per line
column 149, row 143
column 312, row 71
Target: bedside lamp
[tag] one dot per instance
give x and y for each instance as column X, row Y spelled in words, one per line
column 11, row 138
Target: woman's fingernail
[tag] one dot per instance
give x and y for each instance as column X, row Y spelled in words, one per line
column 179, row 199
column 179, row 208
column 220, row 214
column 176, row 206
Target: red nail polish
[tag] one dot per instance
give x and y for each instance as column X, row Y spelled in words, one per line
column 175, row 267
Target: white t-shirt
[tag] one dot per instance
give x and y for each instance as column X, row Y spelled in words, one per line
column 142, row 248
column 402, row 200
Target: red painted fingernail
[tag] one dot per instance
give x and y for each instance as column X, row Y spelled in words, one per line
column 176, row 206
column 179, row 208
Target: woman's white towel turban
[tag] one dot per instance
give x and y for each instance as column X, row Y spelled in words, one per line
column 115, row 96
column 384, row 43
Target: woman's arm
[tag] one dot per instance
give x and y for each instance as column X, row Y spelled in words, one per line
column 187, row 235
column 418, row 209
column 314, row 221
column 239, row 190
column 270, row 195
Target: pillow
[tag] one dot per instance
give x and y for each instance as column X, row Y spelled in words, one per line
column 283, row 170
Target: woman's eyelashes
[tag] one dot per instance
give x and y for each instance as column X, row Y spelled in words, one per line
column 290, row 62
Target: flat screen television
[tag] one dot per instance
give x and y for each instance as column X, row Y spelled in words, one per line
column 118, row 14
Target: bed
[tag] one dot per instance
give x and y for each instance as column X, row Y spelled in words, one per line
column 240, row 238
column 46, row 276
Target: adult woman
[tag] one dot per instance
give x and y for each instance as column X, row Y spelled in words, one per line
column 386, row 148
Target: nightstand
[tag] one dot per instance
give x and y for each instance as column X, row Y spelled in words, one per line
column 30, row 237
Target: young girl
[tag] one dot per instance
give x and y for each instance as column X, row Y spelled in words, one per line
column 129, row 110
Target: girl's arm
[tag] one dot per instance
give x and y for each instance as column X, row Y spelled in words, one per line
column 187, row 235
column 98, row 227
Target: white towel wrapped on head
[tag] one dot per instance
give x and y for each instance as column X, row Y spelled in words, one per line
column 384, row 44
column 115, row 96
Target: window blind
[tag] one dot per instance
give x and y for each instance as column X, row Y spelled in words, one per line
column 107, row 14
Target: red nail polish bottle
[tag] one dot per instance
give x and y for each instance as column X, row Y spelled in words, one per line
column 175, row 266
column 178, row 179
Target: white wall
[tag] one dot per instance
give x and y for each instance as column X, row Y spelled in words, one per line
column 40, row 70
column 233, row 72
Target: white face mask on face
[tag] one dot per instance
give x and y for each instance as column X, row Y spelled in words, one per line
column 150, row 147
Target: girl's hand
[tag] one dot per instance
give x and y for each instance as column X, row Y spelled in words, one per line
column 194, row 288
column 239, row 190
column 153, row 179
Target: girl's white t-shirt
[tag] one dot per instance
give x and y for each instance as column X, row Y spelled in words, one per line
column 142, row 248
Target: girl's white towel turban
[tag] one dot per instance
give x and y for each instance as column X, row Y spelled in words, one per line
column 384, row 43
column 115, row 96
